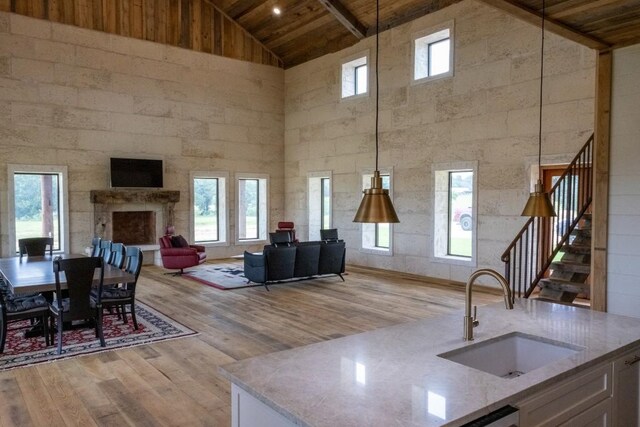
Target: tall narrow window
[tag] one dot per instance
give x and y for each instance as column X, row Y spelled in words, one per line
column 383, row 230
column 355, row 77
column 319, row 198
column 433, row 55
column 454, row 212
column 377, row 238
column 209, row 212
column 38, row 204
column 460, row 213
column 252, row 208
column 325, row 210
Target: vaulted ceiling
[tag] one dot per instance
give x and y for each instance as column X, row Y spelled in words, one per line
column 307, row 29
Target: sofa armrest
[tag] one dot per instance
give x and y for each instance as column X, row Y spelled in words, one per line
column 254, row 267
column 198, row 248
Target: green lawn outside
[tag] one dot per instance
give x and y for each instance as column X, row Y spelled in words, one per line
column 460, row 246
column 32, row 228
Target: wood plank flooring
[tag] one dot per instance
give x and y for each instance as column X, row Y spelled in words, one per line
column 176, row 383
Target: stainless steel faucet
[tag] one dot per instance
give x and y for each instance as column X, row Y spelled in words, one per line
column 471, row 322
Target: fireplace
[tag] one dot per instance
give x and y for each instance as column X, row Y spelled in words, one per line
column 133, row 217
column 134, row 227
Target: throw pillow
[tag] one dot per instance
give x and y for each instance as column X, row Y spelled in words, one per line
column 179, row 242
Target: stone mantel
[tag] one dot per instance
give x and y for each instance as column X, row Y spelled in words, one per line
column 107, row 201
column 109, row 197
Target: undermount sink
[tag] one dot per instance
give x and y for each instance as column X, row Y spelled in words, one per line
column 511, row 355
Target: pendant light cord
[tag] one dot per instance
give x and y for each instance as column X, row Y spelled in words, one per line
column 541, row 78
column 377, row 83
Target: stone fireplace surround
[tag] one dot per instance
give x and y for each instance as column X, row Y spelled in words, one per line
column 152, row 205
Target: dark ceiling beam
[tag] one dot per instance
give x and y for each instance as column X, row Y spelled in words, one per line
column 346, row 18
column 534, row 17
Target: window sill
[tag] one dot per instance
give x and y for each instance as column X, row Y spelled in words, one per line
column 212, row 244
column 353, row 97
column 456, row 260
column 251, row 242
column 415, row 82
column 377, row 251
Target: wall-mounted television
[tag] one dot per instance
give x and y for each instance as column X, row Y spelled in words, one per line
column 136, row 173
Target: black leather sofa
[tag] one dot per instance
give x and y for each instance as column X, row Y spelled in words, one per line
column 297, row 261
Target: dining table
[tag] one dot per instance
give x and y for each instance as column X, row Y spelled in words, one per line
column 29, row 274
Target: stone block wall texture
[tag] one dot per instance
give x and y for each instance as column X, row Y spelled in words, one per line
column 74, row 97
column 488, row 111
column 623, row 256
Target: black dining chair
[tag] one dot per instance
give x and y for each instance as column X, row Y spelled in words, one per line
column 15, row 308
column 35, row 246
column 78, row 305
column 125, row 295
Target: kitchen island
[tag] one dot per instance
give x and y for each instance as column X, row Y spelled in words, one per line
column 395, row 377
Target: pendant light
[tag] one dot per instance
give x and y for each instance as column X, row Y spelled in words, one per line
column 539, row 203
column 376, row 206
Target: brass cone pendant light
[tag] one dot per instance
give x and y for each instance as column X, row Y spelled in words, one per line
column 376, row 206
column 539, row 203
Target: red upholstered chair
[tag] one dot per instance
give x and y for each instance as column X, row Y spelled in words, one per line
column 288, row 227
column 177, row 254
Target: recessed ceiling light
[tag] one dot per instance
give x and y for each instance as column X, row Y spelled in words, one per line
column 276, row 10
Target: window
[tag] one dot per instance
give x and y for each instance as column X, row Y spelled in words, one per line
column 455, row 217
column 38, row 204
column 209, row 210
column 433, row 55
column 319, row 203
column 377, row 238
column 355, row 77
column 252, row 207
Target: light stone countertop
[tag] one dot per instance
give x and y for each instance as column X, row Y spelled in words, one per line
column 393, row 376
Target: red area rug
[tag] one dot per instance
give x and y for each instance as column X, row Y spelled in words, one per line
column 153, row 326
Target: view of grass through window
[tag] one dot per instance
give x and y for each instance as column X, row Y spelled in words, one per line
column 326, row 203
column 37, row 206
column 205, row 210
column 248, row 208
column 382, row 230
column 460, row 213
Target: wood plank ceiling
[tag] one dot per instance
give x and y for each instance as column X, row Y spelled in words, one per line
column 307, row 29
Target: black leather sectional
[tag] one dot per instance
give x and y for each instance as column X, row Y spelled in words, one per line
column 296, row 261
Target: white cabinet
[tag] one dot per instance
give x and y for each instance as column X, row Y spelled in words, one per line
column 572, row 399
column 626, row 389
column 247, row 411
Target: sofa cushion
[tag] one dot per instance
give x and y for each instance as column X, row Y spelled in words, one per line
column 331, row 258
column 179, row 242
column 280, row 262
column 307, row 258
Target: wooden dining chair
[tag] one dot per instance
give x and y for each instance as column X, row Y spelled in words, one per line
column 78, row 305
column 15, row 309
column 120, row 297
column 35, row 246
column 95, row 246
column 118, row 254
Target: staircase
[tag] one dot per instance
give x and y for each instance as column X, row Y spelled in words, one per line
column 554, row 254
column 569, row 277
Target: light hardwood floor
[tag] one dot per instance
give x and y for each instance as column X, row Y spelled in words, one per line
column 176, row 383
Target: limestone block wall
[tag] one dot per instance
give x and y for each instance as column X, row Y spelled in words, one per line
column 623, row 256
column 487, row 112
column 74, row 97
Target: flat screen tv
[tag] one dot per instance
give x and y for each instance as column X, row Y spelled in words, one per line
column 136, row 173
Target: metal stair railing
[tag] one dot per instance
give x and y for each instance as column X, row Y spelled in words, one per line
column 533, row 249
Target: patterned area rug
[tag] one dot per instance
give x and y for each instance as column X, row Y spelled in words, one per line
column 153, row 326
column 221, row 276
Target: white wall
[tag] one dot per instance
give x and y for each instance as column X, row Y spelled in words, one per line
column 74, row 97
column 623, row 257
column 487, row 112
